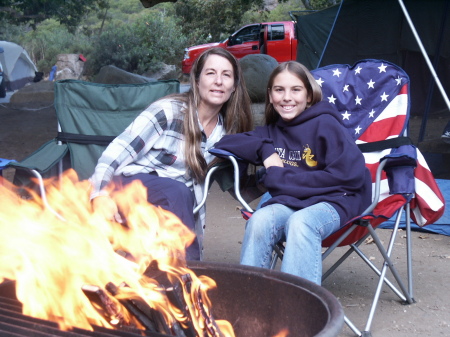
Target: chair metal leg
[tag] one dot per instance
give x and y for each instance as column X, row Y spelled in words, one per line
column 386, row 264
column 352, row 326
column 343, row 257
column 278, row 251
column 409, row 251
column 388, row 261
column 378, row 272
column 403, row 293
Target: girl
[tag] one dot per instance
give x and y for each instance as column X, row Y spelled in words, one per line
column 315, row 175
column 166, row 146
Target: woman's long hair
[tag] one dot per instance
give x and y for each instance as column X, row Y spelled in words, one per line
column 236, row 112
column 302, row 73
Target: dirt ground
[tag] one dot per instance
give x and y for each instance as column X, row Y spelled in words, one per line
column 24, row 129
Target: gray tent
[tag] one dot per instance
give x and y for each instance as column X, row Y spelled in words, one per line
column 18, row 68
column 383, row 29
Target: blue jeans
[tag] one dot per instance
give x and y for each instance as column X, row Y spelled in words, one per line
column 303, row 231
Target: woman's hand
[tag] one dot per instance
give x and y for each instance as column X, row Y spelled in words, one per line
column 273, row 160
column 106, row 206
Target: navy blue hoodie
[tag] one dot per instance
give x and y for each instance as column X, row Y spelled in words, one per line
column 321, row 161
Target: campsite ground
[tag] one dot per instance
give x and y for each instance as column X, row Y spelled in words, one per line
column 23, row 129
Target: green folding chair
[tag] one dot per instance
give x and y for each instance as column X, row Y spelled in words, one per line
column 90, row 116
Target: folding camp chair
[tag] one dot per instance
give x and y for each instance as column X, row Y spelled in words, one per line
column 372, row 99
column 90, row 116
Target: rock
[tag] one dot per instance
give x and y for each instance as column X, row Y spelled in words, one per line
column 69, row 66
column 270, row 5
column 39, row 94
column 167, row 72
column 113, row 75
column 258, row 113
column 257, row 69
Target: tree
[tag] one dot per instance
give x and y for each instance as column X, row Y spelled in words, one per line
column 67, row 12
column 319, row 4
column 212, row 19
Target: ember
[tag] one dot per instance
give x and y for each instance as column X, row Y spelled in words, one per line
column 67, row 268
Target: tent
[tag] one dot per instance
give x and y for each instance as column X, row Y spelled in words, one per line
column 18, row 69
column 392, row 30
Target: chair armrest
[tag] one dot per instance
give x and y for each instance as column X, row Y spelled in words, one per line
column 44, row 158
column 232, row 178
column 399, row 168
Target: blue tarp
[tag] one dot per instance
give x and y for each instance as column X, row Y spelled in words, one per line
column 442, row 226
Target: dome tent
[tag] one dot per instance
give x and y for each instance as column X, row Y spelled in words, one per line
column 18, row 69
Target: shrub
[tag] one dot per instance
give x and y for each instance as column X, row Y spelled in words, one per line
column 139, row 47
column 50, row 39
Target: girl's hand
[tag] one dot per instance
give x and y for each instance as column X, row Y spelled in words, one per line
column 106, row 206
column 273, row 160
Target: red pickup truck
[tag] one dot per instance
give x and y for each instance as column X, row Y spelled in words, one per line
column 277, row 39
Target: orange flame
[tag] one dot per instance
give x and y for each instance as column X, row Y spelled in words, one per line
column 51, row 258
column 282, row 333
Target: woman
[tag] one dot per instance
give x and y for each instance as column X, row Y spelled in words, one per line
column 166, row 146
column 315, row 175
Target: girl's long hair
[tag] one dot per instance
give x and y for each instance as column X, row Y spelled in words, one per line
column 302, row 73
column 236, row 112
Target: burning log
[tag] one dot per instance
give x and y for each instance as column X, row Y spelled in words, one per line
column 103, row 304
column 175, row 295
column 151, row 319
column 141, row 311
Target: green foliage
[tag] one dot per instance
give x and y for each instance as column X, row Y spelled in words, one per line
column 319, row 4
column 124, row 33
column 280, row 13
column 48, row 40
column 214, row 19
column 11, row 32
column 141, row 46
column 33, row 12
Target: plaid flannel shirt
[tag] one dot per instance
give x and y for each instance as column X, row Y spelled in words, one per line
column 153, row 142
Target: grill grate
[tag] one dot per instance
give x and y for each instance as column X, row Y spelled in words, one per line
column 14, row 323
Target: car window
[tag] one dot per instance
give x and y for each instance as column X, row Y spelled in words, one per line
column 276, row 32
column 247, row 34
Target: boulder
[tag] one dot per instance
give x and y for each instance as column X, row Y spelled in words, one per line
column 257, row 69
column 166, row 72
column 113, row 75
column 39, row 94
column 258, row 113
column 69, row 66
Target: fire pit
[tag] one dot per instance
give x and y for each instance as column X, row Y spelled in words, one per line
column 75, row 271
column 260, row 302
column 257, row 302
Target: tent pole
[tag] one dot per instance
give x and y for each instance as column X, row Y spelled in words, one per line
column 425, row 55
column 329, row 35
column 431, row 85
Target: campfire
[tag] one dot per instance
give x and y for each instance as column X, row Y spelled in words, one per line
column 79, row 270
column 70, row 266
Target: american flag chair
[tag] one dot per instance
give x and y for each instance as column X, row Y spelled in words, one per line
column 372, row 99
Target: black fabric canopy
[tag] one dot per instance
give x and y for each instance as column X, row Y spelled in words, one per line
column 360, row 29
